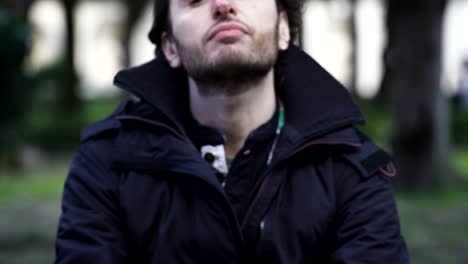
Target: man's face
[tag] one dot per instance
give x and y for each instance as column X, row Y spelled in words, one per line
column 218, row 41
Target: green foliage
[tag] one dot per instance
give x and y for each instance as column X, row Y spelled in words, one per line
column 460, row 162
column 459, row 127
column 51, row 129
column 47, row 127
column 378, row 122
column 98, row 109
column 47, row 124
column 15, row 84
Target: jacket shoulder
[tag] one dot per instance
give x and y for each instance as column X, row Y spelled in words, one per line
column 368, row 158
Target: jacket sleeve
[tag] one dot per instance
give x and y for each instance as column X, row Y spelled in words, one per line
column 368, row 228
column 89, row 227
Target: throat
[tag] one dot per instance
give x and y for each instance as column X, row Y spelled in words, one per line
column 235, row 116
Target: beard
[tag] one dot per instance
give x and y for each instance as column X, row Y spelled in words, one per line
column 234, row 71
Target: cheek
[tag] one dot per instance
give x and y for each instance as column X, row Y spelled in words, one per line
column 186, row 32
column 180, row 28
column 190, row 25
column 264, row 19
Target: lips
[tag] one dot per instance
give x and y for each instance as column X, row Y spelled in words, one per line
column 226, row 30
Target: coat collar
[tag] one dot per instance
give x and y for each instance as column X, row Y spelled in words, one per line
column 313, row 99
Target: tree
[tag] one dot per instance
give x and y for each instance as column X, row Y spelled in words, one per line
column 70, row 102
column 352, row 30
column 412, row 81
column 14, row 47
column 354, row 44
column 134, row 9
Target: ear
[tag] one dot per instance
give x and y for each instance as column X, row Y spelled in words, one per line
column 170, row 51
column 283, row 31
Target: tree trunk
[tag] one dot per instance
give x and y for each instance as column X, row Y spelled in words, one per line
column 134, row 11
column 412, row 79
column 16, row 86
column 70, row 102
column 391, row 20
column 18, row 8
column 354, row 47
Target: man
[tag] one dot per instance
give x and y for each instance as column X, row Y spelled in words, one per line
column 241, row 150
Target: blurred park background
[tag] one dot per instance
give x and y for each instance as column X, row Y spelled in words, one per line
column 404, row 61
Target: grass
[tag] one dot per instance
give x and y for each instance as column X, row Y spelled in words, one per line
column 434, row 225
column 39, row 183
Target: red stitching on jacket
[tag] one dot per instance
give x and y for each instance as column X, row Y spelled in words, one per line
column 393, row 171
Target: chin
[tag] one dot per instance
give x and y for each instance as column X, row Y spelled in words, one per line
column 230, row 47
column 230, row 53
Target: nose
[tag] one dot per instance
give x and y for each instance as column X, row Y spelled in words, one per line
column 223, row 8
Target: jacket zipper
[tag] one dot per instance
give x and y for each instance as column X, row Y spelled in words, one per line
column 269, row 172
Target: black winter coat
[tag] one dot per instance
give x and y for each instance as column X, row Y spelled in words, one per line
column 139, row 192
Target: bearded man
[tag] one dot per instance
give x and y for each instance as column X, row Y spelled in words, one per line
column 240, row 149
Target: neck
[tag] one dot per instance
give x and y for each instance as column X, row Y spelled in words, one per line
column 235, row 115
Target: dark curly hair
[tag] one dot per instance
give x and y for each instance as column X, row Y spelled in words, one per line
column 161, row 22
